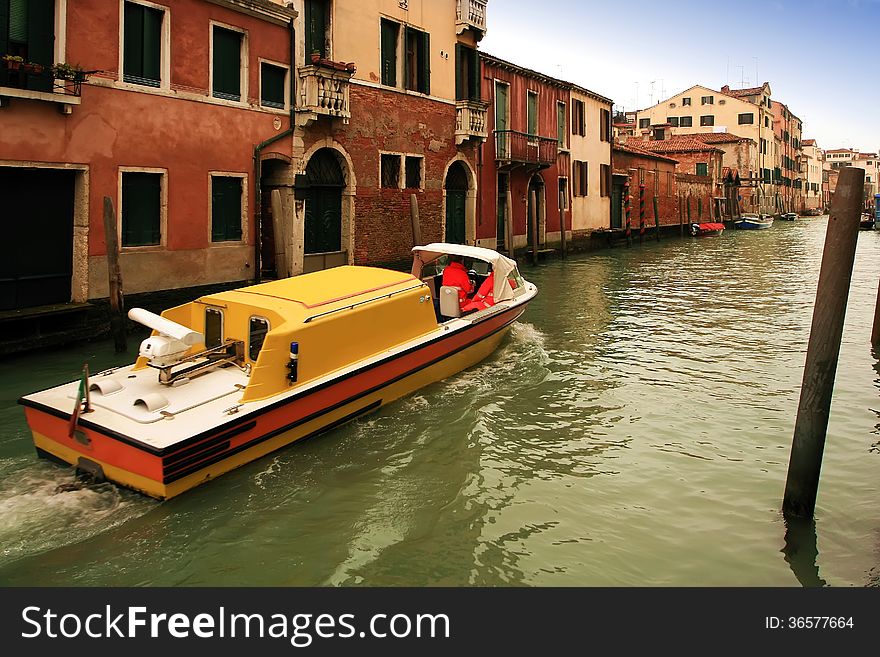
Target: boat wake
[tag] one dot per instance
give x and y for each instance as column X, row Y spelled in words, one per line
column 42, row 507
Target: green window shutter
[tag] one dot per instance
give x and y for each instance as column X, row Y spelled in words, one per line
column 316, row 27
column 133, row 51
column 16, row 14
column 702, row 169
column 152, row 44
column 560, row 125
column 226, row 194
column 532, row 112
column 409, row 54
column 424, row 58
column 141, row 208
column 272, row 85
column 467, row 73
column 475, row 76
column 41, row 41
column 460, row 75
column 390, row 32
column 142, row 53
column 227, row 64
column 4, row 37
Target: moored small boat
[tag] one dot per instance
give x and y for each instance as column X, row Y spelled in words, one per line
column 866, row 222
column 788, row 216
column 753, row 221
column 707, row 229
column 233, row 376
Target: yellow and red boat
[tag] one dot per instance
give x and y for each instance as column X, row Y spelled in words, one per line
column 230, row 377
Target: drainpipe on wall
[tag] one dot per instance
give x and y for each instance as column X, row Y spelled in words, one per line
column 258, row 149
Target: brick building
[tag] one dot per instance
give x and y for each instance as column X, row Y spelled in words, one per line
column 388, row 106
column 633, row 167
column 699, row 171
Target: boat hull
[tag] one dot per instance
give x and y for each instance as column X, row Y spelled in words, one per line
column 165, row 473
column 747, row 224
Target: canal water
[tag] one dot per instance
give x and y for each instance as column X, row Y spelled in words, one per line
column 633, row 429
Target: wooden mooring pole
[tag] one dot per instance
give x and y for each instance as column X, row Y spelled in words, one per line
column 641, row 212
column 657, row 218
column 680, row 217
column 627, row 210
column 414, row 218
column 875, row 332
column 114, row 275
column 508, row 224
column 533, row 217
column 823, row 349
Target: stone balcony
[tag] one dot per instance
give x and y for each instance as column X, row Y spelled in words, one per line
column 324, row 91
column 470, row 120
column 471, row 14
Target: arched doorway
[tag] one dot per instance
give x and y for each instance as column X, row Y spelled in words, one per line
column 323, row 208
column 536, row 196
column 456, row 200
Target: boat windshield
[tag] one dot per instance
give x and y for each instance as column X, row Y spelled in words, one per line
column 436, row 266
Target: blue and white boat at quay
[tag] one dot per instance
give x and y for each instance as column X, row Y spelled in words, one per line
column 753, row 221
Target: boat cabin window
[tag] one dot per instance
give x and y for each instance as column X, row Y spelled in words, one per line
column 257, row 330
column 213, row 328
column 515, row 279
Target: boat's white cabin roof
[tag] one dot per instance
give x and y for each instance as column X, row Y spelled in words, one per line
column 501, row 265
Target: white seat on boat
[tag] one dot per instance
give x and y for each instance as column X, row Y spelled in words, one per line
column 449, row 306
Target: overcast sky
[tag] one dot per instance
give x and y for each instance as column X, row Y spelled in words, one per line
column 821, row 57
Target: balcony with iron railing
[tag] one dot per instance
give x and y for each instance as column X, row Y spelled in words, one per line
column 471, row 14
column 60, row 83
column 470, row 120
column 512, row 147
column 324, row 90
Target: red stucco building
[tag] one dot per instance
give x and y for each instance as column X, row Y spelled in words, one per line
column 525, row 157
column 176, row 98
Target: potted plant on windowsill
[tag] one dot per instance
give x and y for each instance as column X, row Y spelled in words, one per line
column 63, row 71
column 33, row 67
column 13, row 62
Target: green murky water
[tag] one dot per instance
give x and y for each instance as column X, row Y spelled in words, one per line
column 634, row 429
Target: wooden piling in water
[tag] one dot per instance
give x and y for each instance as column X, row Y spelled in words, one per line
column 533, row 216
column 562, row 204
column 656, row 218
column 641, row 212
column 281, row 230
column 114, row 275
column 875, row 332
column 508, row 224
column 680, row 218
column 823, row 348
column 414, row 218
column 627, row 210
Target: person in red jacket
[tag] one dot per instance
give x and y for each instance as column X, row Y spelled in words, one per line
column 485, row 296
column 456, row 275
